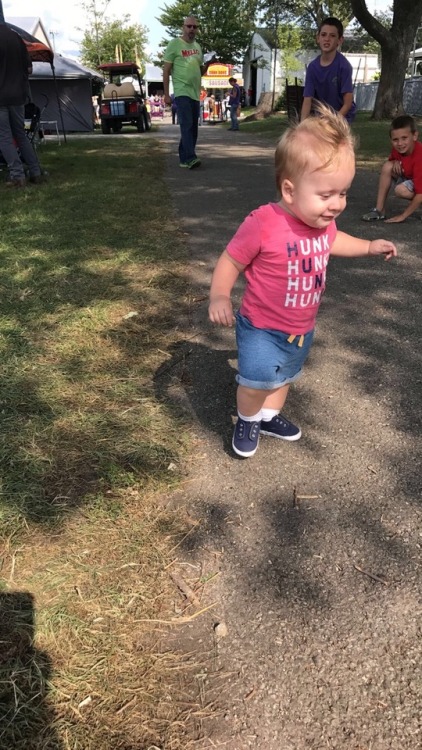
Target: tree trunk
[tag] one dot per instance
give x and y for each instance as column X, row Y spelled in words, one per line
column 394, row 62
column 274, row 78
column 396, row 45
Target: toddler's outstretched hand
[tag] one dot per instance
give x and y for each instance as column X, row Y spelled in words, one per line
column 221, row 311
column 383, row 247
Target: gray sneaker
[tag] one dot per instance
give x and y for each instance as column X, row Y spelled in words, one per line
column 373, row 215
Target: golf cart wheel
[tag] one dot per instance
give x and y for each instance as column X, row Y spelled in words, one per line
column 116, row 127
column 140, row 124
column 147, row 121
column 105, row 127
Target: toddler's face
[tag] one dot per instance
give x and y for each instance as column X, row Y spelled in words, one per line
column 318, row 197
column 403, row 140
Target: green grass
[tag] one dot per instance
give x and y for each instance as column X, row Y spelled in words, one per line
column 373, row 142
column 92, row 276
column 77, row 255
column 92, row 273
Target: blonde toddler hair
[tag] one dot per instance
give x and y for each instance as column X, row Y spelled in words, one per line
column 322, row 140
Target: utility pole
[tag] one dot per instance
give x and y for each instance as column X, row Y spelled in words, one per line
column 53, row 36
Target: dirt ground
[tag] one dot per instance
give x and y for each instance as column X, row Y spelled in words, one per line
column 317, row 544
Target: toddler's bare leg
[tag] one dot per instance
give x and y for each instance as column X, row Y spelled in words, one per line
column 250, row 400
column 276, row 399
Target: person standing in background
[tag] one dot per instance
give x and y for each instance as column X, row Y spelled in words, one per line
column 15, row 67
column 329, row 76
column 183, row 61
column 173, row 110
column 234, row 103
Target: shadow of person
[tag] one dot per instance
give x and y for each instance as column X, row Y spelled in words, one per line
column 201, row 382
column 26, row 719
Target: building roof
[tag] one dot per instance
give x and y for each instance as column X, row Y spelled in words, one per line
column 29, row 24
column 269, row 37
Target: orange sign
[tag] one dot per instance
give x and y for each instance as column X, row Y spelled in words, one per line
column 219, row 71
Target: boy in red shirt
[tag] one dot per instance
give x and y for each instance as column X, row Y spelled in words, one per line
column 404, row 168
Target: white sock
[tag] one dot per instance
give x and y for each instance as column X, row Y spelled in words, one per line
column 255, row 417
column 268, row 414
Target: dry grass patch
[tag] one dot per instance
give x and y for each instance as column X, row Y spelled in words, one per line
column 89, row 671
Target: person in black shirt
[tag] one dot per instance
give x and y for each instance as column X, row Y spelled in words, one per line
column 234, row 102
column 15, row 66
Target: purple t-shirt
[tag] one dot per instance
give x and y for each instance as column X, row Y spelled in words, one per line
column 328, row 83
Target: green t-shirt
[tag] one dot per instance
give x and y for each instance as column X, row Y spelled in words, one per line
column 186, row 59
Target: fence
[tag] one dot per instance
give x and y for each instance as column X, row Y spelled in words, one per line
column 365, row 94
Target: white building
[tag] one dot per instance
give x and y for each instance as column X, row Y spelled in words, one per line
column 261, row 61
column 415, row 62
column 32, row 25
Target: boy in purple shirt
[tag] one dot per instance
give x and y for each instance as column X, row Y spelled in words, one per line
column 329, row 76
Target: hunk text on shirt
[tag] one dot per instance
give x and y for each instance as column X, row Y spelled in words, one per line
column 306, row 256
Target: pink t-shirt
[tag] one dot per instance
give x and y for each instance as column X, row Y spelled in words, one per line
column 285, row 270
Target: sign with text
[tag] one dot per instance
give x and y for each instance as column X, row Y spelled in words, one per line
column 219, row 83
column 217, row 70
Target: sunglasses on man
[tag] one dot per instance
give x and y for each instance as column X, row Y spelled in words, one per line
column 191, row 26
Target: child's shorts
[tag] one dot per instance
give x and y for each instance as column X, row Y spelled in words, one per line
column 407, row 183
column 266, row 358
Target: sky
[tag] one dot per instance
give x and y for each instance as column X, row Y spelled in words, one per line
column 63, row 20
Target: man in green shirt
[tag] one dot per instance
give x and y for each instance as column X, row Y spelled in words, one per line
column 183, row 61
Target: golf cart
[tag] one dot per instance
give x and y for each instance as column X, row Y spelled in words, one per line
column 122, row 102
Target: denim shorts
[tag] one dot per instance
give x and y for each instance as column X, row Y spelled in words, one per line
column 407, row 183
column 266, row 359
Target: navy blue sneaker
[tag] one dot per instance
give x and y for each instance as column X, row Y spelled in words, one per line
column 245, row 437
column 280, row 427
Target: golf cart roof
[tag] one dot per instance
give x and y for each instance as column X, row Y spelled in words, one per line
column 125, row 68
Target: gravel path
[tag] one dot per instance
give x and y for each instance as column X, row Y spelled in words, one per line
column 317, row 543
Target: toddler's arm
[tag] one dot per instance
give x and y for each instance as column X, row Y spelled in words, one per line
column 223, row 280
column 346, row 246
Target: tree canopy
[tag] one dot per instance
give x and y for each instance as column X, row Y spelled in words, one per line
column 105, row 38
column 396, row 42
column 226, row 26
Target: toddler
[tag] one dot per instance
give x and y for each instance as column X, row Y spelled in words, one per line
column 283, row 249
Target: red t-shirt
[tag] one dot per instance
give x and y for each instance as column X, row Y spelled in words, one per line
column 411, row 165
column 285, row 270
